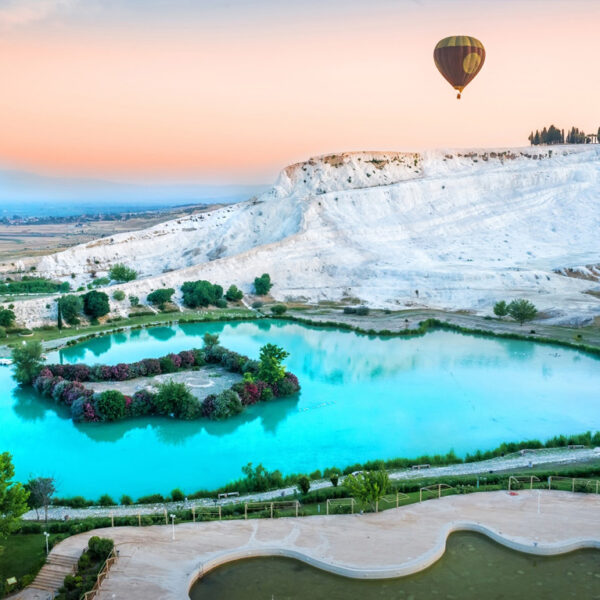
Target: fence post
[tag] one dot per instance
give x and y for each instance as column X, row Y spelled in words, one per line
column 112, row 519
column 297, row 503
column 327, row 507
column 550, row 482
column 271, row 510
column 439, row 490
column 140, row 519
column 246, row 510
column 397, row 499
column 166, row 519
column 352, row 505
column 421, row 495
column 219, row 512
column 376, row 506
column 573, row 486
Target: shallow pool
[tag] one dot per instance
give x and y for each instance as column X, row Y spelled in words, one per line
column 473, row 567
column 362, row 398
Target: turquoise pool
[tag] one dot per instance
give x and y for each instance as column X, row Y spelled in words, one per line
column 362, row 398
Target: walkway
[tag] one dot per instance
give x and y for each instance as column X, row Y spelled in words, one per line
column 510, row 463
column 392, row 543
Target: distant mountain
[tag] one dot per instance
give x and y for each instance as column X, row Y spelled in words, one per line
column 29, row 194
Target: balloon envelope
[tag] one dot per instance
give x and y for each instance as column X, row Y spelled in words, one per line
column 459, row 58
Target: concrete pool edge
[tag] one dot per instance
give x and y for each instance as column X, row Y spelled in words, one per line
column 408, row 568
column 397, row 542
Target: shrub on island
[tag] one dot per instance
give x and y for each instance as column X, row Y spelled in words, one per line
column 263, row 380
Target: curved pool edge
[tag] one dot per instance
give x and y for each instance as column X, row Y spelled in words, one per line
column 411, row 567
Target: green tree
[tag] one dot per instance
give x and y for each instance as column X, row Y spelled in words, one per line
column 368, row 487
column 70, row 307
column 121, row 273
column 59, row 321
column 278, row 309
column 13, row 496
column 160, row 297
column 176, row 399
column 134, row 301
column 177, row 495
column 501, row 309
column 110, row 404
column 335, row 479
column 95, row 304
column 201, row 293
column 28, row 361
column 304, row 484
column 7, row 317
column 210, row 340
column 41, row 490
column 522, row 310
column 234, row 294
column 119, row 295
column 270, row 368
column 126, row 500
column 262, row 284
column 106, row 500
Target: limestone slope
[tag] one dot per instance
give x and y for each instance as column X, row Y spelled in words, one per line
column 445, row 229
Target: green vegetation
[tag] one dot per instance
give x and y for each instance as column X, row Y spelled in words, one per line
column 553, row 135
column 270, row 368
column 522, row 310
column 304, row 484
column 110, row 405
column 7, row 317
column 33, row 285
column 368, row 487
column 122, row 273
column 89, row 565
column 501, row 309
column 134, row 301
column 160, row 297
column 356, row 310
column 234, row 294
column 95, row 304
column 41, row 490
column 119, row 295
column 202, row 293
column 28, row 362
column 278, row 309
column 262, row 284
column 13, row 497
column 21, row 556
column 176, row 399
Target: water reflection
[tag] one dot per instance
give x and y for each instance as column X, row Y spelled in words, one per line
column 28, row 405
column 161, row 334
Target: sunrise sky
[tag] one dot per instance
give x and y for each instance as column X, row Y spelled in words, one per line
column 235, row 90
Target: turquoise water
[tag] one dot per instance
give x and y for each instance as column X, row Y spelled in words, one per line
column 362, row 398
column 472, row 568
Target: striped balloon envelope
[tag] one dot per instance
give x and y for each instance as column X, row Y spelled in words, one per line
column 459, row 58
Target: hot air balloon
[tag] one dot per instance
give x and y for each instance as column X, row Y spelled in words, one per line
column 459, row 58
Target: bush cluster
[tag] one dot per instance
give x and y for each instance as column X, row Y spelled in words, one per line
column 65, row 385
column 33, row 285
column 202, row 293
column 88, row 567
column 356, row 310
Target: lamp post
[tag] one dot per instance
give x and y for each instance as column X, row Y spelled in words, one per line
column 173, row 524
column 47, row 536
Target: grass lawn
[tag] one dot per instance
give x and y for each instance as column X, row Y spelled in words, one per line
column 53, row 333
column 22, row 554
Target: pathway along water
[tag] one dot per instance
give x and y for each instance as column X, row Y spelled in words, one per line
column 362, row 398
column 473, row 567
